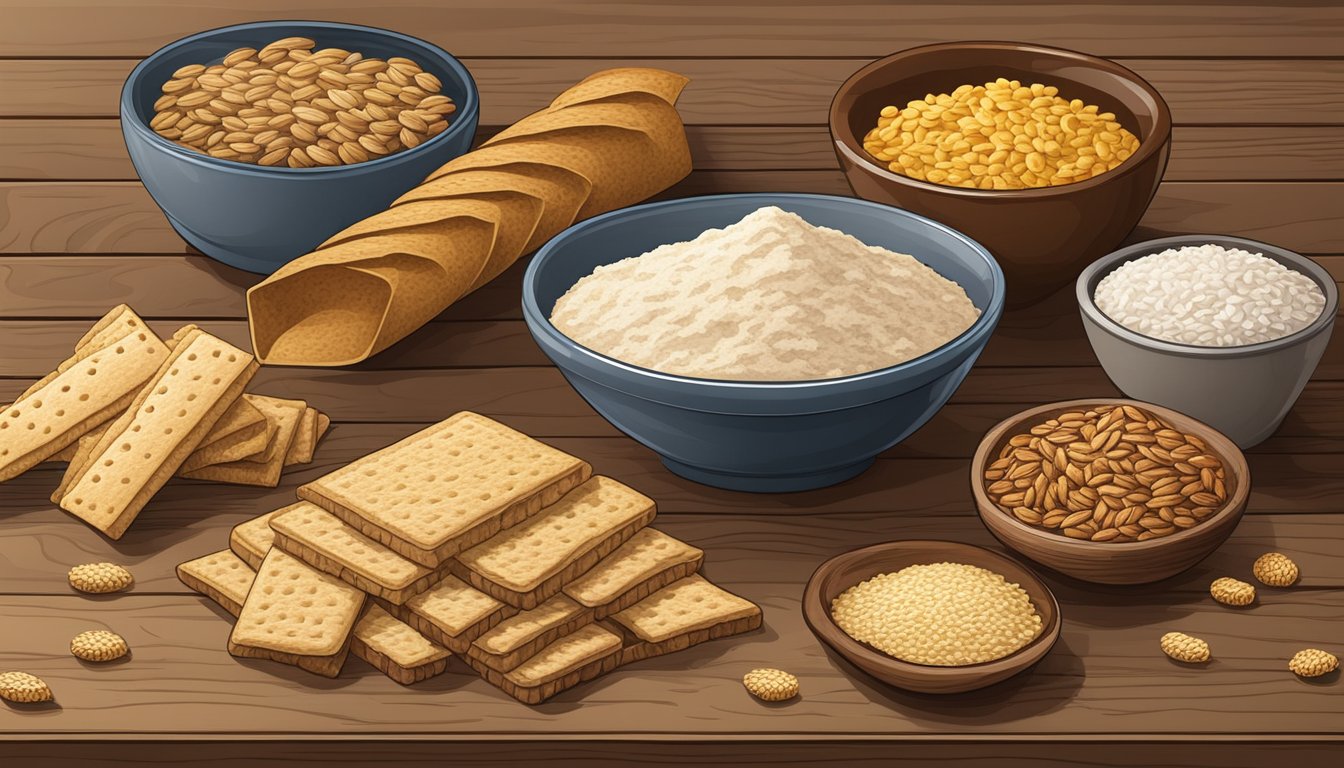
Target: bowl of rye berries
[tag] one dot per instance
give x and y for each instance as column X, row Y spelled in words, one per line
column 1109, row 491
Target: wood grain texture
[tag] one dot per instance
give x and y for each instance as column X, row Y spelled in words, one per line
column 93, row 150
column 120, row 217
column 742, row 91
column 740, row 27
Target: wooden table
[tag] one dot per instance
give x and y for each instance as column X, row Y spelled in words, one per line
column 1258, row 95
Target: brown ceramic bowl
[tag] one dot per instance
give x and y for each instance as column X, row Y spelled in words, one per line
column 844, row 571
column 1042, row 238
column 1138, row 562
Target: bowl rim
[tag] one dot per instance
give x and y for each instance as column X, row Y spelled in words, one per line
column 540, row 321
column 1234, row 460
column 851, row 146
column 465, row 115
column 1086, row 285
column 817, row 614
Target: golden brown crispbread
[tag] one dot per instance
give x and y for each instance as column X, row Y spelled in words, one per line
column 297, row 615
column 690, row 605
column 395, row 649
column 452, row 613
column 305, row 439
column 320, row 539
column 448, row 487
column 285, row 416
column 531, row 561
column 587, row 653
column 239, row 433
column 520, row 637
column 646, row 563
column 221, row 576
column 252, row 539
column 196, row 383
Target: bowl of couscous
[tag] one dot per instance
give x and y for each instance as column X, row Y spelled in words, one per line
column 1048, row 157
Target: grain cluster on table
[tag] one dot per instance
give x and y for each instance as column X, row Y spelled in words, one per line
column 1257, row 94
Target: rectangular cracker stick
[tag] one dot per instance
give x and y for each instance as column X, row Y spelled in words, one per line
column 297, row 615
column 116, row 324
column 193, row 387
column 452, row 613
column 448, row 487
column 646, row 563
column 285, row 415
column 321, row 540
column 221, row 576
column 591, row 651
column 395, row 649
column 240, row 432
column 687, row 613
column 252, row 539
column 531, row 561
column 305, row 439
column 519, row 638
column 87, row 389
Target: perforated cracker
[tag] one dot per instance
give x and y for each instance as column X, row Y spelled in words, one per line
column 221, row 576
column 395, row 649
column 646, row 563
column 252, row 539
column 687, row 613
column 306, row 436
column 448, row 487
column 518, row 638
column 587, row 653
column 298, row 615
column 528, row 563
column 284, row 415
column 320, row 539
column 134, row 458
column 239, row 433
column 453, row 613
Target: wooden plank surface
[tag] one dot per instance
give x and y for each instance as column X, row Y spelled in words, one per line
column 516, row 28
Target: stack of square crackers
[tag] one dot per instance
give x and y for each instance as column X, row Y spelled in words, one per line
column 466, row 538
column 129, row 410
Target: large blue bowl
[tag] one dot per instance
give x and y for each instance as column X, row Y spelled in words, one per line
column 257, row 217
column 769, row 436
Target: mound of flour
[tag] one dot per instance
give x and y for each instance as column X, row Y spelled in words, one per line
column 770, row 298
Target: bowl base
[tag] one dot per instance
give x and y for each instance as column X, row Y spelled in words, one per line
column 787, row 483
column 224, row 255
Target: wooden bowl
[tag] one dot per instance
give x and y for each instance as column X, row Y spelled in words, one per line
column 1042, row 238
column 1137, row 562
column 844, row 571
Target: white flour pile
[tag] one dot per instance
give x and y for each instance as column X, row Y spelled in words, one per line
column 770, row 298
column 1209, row 296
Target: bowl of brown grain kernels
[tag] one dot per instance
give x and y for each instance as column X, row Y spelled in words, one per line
column 261, row 140
column 1045, row 156
column 1109, row 491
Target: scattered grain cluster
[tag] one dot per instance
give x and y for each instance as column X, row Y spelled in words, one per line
column 98, row 645
column 1313, row 662
column 289, row 105
column 23, row 688
column 770, row 684
column 1000, row 135
column 99, row 578
column 1230, row 591
column 1275, row 569
column 942, row 614
column 1183, row 647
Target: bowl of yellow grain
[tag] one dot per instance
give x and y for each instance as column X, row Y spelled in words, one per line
column 1047, row 157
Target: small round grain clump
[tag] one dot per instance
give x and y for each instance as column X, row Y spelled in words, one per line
column 1183, row 647
column 770, row 684
column 1229, row 591
column 1313, row 662
column 943, row 614
column 100, row 578
column 98, row 645
column 1275, row 569
column 23, row 688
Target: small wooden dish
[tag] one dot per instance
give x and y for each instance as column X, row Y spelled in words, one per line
column 1139, row 562
column 844, row 571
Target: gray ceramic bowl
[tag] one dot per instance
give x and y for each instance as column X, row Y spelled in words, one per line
column 256, row 217
column 1244, row 392
column 769, row 436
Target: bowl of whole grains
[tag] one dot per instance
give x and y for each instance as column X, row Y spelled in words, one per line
column 1046, row 156
column 932, row 616
column 1109, row 491
column 763, row 342
column 1224, row 329
column 259, row 141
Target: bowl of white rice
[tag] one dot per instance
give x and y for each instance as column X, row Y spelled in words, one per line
column 1224, row 329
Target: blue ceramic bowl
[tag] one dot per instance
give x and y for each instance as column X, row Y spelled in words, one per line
column 768, row 436
column 257, row 217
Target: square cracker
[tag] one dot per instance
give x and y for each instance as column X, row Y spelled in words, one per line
column 285, row 415
column 533, row 560
column 646, row 563
column 591, row 651
column 448, row 487
column 297, row 615
column 252, row 539
column 395, row 649
column 684, row 614
column 221, row 576
column 309, row 431
column 240, row 432
column 166, row 422
column 519, row 638
column 87, row 389
column 320, row 539
column 452, row 613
